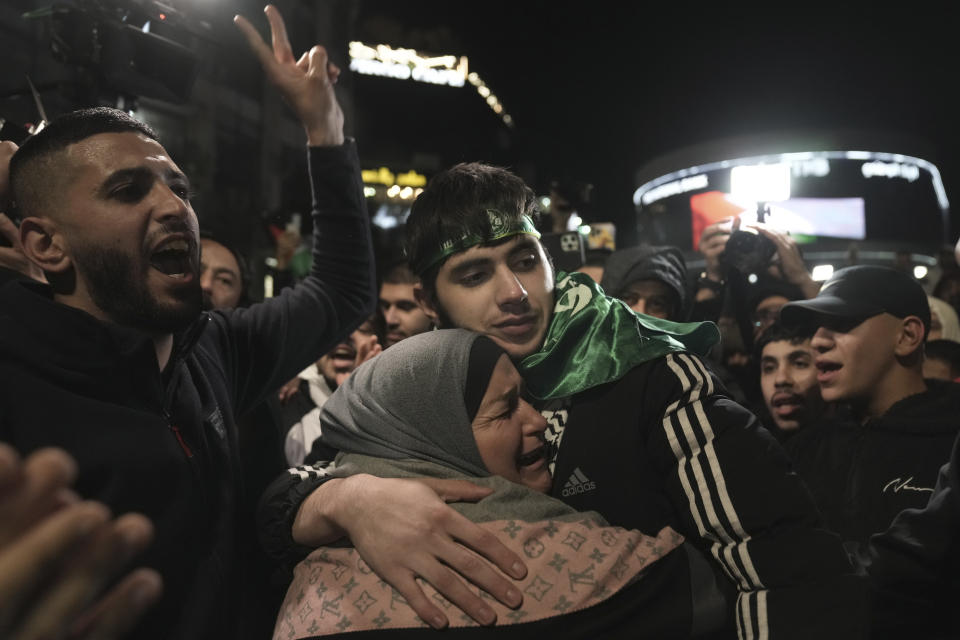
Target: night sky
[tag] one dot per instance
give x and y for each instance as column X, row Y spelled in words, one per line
column 598, row 89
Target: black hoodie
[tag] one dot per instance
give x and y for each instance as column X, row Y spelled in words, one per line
column 914, row 565
column 165, row 443
column 647, row 262
column 862, row 476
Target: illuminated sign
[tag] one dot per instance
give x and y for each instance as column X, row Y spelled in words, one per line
column 825, row 198
column 386, row 177
column 407, row 64
column 802, row 165
column 673, row 188
column 909, row 172
column 491, row 99
column 399, row 186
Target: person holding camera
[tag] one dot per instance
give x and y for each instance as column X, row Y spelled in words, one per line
column 749, row 274
column 765, row 250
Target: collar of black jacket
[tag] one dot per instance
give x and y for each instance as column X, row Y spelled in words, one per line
column 74, row 349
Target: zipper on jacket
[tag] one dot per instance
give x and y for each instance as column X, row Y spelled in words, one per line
column 183, row 443
column 176, row 432
column 180, row 349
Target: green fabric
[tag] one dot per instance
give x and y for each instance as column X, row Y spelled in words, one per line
column 500, row 228
column 594, row 339
column 300, row 264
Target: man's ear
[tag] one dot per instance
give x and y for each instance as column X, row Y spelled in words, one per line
column 911, row 336
column 44, row 245
column 426, row 304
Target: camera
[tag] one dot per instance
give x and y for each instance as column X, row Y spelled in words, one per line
column 747, row 252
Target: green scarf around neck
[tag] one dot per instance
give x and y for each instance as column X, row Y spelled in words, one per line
column 594, row 339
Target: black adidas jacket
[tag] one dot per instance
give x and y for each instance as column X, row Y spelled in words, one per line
column 664, row 446
column 165, row 444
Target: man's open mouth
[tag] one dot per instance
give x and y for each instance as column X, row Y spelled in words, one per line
column 787, row 404
column 174, row 258
column 826, row 369
column 343, row 356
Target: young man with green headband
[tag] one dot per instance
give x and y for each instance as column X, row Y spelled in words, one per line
column 640, row 431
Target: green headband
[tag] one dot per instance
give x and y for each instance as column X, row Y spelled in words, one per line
column 500, row 228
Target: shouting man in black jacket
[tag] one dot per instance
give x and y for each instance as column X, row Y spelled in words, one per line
column 114, row 361
column 871, row 322
column 870, row 327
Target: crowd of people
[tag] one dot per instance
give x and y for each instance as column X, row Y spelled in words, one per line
column 467, row 440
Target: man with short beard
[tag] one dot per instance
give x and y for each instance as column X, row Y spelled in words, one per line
column 788, row 379
column 114, row 361
column 401, row 313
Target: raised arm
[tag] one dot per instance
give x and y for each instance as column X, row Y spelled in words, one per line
column 306, row 84
column 713, row 241
column 789, row 260
column 268, row 344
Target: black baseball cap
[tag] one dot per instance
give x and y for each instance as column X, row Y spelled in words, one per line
column 854, row 294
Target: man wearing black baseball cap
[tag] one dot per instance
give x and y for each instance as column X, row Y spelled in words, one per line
column 870, row 323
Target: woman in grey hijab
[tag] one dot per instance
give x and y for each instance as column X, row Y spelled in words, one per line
column 449, row 404
column 419, row 412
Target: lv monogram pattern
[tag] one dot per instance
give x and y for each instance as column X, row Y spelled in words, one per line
column 571, row 566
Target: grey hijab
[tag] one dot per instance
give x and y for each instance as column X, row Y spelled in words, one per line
column 408, row 403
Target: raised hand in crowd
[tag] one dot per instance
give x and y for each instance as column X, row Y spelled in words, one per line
column 367, row 347
column 789, row 261
column 288, row 390
column 713, row 241
column 58, row 554
column 306, row 84
column 11, row 250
